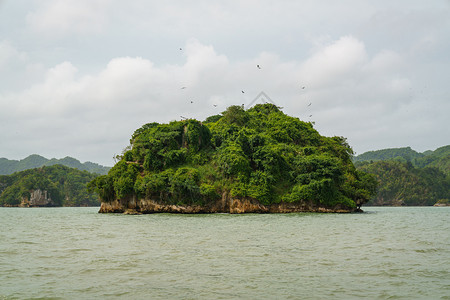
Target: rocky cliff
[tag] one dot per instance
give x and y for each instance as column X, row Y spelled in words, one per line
column 37, row 198
column 226, row 204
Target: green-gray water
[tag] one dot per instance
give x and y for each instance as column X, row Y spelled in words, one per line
column 76, row 253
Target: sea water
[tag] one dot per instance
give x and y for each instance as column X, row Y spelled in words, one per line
column 76, row 253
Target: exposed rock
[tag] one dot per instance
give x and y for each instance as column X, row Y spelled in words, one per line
column 37, row 198
column 442, row 204
column 130, row 211
column 226, row 204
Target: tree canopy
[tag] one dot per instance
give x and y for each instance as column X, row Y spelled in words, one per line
column 66, row 186
column 401, row 183
column 439, row 158
column 259, row 153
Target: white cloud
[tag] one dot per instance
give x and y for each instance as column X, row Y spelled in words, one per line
column 9, row 54
column 106, row 107
column 385, row 60
column 16, row 68
column 78, row 77
column 60, row 17
column 333, row 62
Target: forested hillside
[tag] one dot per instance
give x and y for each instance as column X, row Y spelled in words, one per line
column 55, row 185
column 402, row 154
column 407, row 177
column 439, row 158
column 260, row 154
column 35, row 161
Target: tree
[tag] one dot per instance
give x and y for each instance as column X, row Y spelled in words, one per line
column 66, row 186
column 259, row 153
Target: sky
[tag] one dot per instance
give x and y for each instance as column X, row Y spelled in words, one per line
column 78, row 77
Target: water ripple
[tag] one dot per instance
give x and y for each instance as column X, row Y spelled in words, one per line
column 75, row 253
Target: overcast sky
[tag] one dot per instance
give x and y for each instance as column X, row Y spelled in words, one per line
column 77, row 77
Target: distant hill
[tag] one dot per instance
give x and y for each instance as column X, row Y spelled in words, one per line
column 405, row 153
column 439, row 158
column 402, row 184
column 8, row 167
column 407, row 177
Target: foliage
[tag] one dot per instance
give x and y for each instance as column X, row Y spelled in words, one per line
column 403, row 154
column 259, row 153
column 213, row 119
column 439, row 158
column 67, row 186
column 407, row 177
column 400, row 183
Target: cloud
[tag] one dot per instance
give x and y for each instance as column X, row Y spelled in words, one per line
column 385, row 60
column 10, row 55
column 91, row 116
column 61, row 17
column 6, row 51
column 333, row 62
column 16, row 68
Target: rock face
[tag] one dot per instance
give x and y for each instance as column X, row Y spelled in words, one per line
column 442, row 204
column 37, row 198
column 226, row 204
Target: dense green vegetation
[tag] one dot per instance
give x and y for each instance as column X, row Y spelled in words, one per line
column 402, row 154
column 439, row 158
column 8, row 167
column 259, row 153
column 67, row 186
column 408, row 178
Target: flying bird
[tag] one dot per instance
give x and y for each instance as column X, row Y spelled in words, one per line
column 183, row 87
column 192, row 101
column 242, row 92
column 309, row 104
column 181, row 48
column 303, row 87
column 258, row 66
column 215, row 105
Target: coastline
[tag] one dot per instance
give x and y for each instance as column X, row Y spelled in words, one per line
column 226, row 204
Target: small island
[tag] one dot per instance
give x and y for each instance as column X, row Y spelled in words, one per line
column 258, row 160
column 47, row 186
